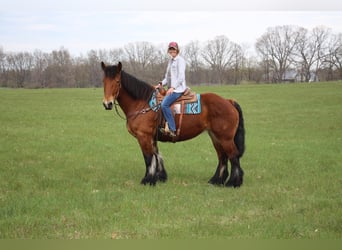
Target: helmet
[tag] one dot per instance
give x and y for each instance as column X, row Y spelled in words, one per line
column 173, row 45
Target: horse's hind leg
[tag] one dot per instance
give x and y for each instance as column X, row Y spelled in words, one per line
column 236, row 173
column 221, row 172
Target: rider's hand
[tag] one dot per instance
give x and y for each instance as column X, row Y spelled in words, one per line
column 158, row 85
column 170, row 91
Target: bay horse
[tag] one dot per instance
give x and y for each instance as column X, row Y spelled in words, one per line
column 221, row 118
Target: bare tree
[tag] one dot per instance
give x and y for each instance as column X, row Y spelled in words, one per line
column 276, row 46
column 237, row 62
column 20, row 64
column 82, row 74
column 3, row 68
column 140, row 55
column 158, row 67
column 280, row 49
column 310, row 52
column 305, row 54
column 320, row 36
column 59, row 71
column 40, row 62
column 218, row 53
column 115, row 55
column 94, row 72
column 334, row 56
column 192, row 55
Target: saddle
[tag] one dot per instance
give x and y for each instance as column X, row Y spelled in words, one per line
column 187, row 97
column 187, row 103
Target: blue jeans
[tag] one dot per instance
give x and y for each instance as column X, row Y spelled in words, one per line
column 165, row 105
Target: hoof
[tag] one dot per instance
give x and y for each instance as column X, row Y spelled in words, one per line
column 234, row 183
column 162, row 176
column 152, row 180
column 235, row 179
column 216, row 181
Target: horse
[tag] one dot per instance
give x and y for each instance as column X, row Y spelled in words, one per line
column 221, row 118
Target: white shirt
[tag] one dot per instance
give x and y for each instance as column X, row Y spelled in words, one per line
column 175, row 74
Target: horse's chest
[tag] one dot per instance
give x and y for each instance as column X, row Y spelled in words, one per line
column 131, row 130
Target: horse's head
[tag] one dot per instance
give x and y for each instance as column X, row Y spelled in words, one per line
column 111, row 84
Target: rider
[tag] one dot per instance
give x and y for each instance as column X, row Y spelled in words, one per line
column 175, row 81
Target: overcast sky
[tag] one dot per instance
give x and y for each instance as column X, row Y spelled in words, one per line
column 80, row 26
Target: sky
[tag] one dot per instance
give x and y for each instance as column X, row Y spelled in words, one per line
column 80, row 26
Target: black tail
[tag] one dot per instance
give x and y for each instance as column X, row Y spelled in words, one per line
column 239, row 137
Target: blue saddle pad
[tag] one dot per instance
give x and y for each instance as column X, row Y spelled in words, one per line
column 191, row 108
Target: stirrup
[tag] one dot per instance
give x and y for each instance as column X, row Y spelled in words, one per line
column 169, row 133
column 165, row 130
column 172, row 134
column 162, row 130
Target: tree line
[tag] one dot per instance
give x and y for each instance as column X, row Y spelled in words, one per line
column 283, row 53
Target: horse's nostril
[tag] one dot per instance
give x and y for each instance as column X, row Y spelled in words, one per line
column 108, row 106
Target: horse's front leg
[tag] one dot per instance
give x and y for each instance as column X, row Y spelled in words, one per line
column 151, row 169
column 154, row 163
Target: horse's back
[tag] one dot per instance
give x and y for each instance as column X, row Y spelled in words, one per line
column 217, row 105
column 221, row 114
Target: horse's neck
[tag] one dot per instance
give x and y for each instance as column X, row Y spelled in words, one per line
column 127, row 103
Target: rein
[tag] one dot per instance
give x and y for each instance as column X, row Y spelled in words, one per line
column 134, row 114
column 141, row 111
column 116, row 104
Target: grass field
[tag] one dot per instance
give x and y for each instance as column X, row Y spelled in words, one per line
column 70, row 170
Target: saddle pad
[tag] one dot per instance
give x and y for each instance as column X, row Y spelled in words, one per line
column 191, row 108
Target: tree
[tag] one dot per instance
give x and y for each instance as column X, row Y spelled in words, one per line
column 334, row 56
column 276, row 47
column 20, row 65
column 237, row 61
column 60, row 69
column 115, row 55
column 281, row 49
column 320, row 37
column 40, row 63
column 218, row 53
column 140, row 55
column 3, row 68
column 192, row 56
column 94, row 72
column 140, row 58
column 306, row 52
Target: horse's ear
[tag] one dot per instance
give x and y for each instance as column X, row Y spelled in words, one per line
column 119, row 67
column 103, row 66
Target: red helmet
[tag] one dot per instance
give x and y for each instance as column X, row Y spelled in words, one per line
column 173, row 45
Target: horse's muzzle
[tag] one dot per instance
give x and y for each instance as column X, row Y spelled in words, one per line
column 108, row 105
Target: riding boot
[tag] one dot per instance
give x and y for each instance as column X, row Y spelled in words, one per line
column 167, row 131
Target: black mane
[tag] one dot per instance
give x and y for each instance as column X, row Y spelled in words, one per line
column 136, row 88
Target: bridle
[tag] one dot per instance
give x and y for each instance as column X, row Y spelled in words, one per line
column 115, row 101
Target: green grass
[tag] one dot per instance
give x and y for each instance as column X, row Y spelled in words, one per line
column 70, row 170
